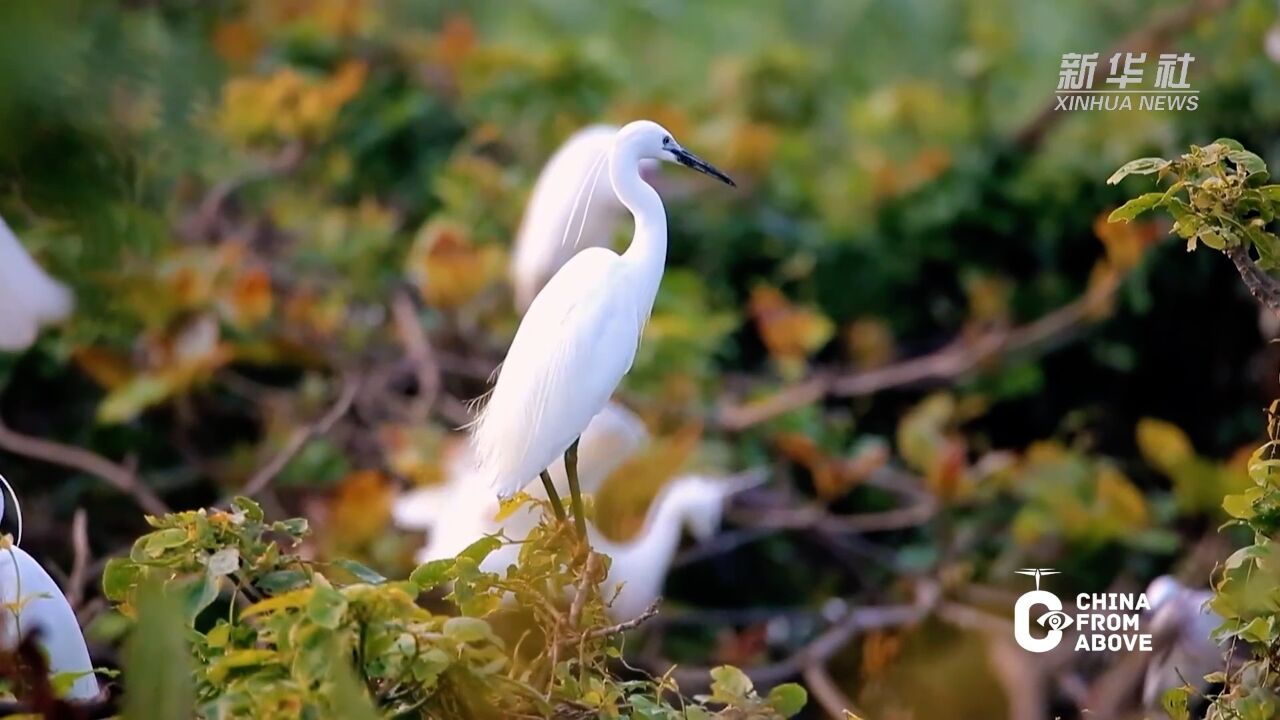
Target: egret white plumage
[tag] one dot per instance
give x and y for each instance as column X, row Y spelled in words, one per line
column 580, row 334
column 40, row 604
column 1183, row 649
column 569, row 199
column 29, row 298
column 461, row 510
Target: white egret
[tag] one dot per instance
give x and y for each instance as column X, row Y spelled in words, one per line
column 29, row 298
column 580, row 334
column 30, row 600
column 560, row 208
column 1183, row 649
column 639, row 566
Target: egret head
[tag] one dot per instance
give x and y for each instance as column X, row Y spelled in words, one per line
column 652, row 141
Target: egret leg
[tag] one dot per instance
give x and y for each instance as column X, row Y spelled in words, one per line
column 556, row 506
column 575, row 492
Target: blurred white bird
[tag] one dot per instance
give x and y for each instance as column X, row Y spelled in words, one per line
column 567, row 203
column 461, row 510
column 1183, row 650
column 639, row 566
column 25, row 585
column 580, row 334
column 29, row 298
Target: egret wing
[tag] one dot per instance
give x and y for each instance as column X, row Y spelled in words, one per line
column 572, row 349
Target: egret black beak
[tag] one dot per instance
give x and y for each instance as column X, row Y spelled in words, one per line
column 689, row 160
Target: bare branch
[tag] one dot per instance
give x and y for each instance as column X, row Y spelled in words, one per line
column 418, row 349
column 299, row 439
column 68, row 456
column 829, row 695
column 953, row 361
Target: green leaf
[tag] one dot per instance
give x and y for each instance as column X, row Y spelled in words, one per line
column 480, row 549
column 788, row 699
column 362, row 572
column 1141, row 166
column 468, row 630
column 1241, row 505
column 157, row 542
column 118, row 578
column 157, row 662
column 428, row 575
column 730, row 685
column 197, row 593
column 349, row 698
column 327, row 607
column 1136, row 207
column 1248, row 161
column 1176, row 703
column 282, row 581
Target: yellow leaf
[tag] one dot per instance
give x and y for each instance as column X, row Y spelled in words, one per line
column 361, row 509
column 1163, row 444
column 625, row 495
column 790, row 332
column 447, row 267
column 286, row 601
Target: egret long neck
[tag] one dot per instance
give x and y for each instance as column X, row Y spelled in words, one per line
column 649, row 555
column 647, row 254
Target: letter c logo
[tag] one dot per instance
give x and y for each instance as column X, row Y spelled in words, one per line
column 1022, row 621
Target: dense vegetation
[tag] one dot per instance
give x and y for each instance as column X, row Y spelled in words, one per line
column 287, row 224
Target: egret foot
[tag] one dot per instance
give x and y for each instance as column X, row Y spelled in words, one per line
column 556, row 506
column 575, row 492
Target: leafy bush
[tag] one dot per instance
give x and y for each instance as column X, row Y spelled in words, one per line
column 274, row 635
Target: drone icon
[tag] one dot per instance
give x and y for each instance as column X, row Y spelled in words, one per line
column 1038, row 573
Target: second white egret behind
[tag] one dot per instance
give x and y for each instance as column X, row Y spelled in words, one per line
column 580, row 335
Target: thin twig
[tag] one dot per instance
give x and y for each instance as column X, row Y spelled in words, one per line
column 79, row 559
column 584, row 589
column 632, row 624
column 829, row 695
column 299, row 439
column 85, row 461
column 418, row 349
column 957, row 359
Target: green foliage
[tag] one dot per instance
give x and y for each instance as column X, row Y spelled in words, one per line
column 1216, row 196
column 295, row 642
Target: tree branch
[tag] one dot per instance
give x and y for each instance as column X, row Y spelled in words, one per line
column 68, row 456
column 958, row 358
column 299, row 439
column 1264, row 288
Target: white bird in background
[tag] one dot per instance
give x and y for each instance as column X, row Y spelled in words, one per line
column 1184, row 651
column 580, row 334
column 639, row 567
column 461, row 510
column 41, row 605
column 562, row 208
column 29, row 298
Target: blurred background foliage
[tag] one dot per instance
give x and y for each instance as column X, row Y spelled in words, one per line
column 241, row 192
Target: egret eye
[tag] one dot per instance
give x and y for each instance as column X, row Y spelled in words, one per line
column 666, row 140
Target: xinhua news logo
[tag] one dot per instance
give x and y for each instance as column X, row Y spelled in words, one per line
column 1103, row 622
column 1124, row 83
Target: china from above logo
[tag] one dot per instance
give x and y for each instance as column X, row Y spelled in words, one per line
column 1169, row 90
column 1103, row 622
